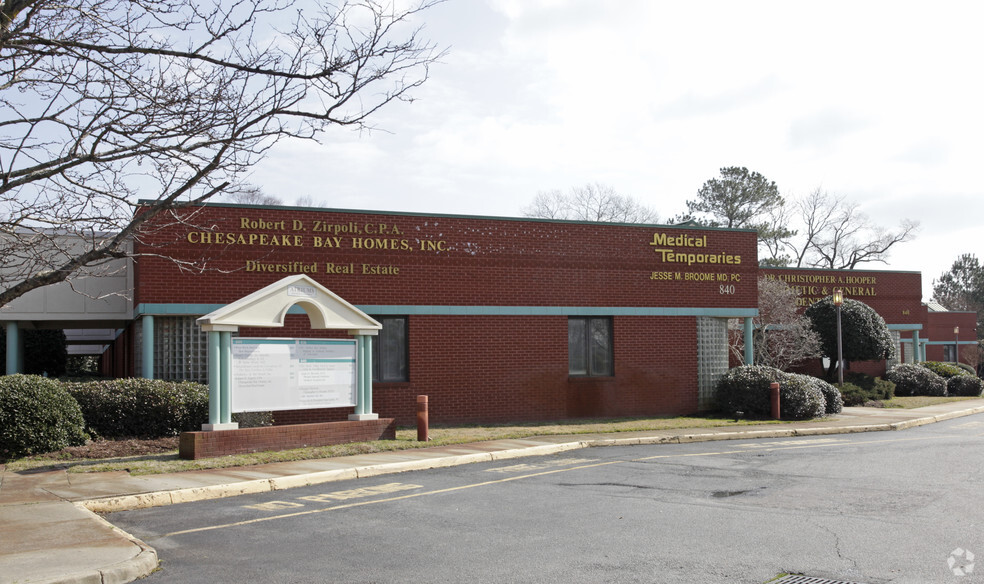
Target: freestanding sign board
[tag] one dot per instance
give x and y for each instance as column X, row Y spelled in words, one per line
column 291, row 374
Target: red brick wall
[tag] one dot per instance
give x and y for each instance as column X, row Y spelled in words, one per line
column 195, row 445
column 896, row 296
column 444, row 260
column 510, row 368
column 940, row 329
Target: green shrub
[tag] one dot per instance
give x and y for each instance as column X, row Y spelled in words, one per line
column 916, row 380
column 970, row 370
column 944, row 370
column 831, row 395
column 964, row 385
column 853, row 395
column 746, row 391
column 800, row 398
column 37, row 415
column 873, row 388
column 142, row 408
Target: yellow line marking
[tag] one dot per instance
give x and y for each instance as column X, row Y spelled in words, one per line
column 792, row 446
column 374, row 501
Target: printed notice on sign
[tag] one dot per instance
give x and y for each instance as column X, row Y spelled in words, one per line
column 290, row 374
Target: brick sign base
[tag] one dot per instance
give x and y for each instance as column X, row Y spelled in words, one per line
column 195, row 445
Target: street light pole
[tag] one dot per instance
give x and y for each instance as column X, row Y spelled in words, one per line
column 956, row 344
column 838, row 300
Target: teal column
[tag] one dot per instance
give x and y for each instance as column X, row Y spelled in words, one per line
column 13, row 348
column 360, row 381
column 749, row 342
column 148, row 346
column 916, row 347
column 368, row 373
column 214, row 377
column 225, row 368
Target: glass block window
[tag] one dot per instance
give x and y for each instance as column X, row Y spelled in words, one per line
column 712, row 358
column 180, row 349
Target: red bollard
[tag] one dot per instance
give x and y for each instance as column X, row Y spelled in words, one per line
column 422, row 424
column 774, row 390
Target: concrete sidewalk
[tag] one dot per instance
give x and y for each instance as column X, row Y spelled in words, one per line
column 50, row 532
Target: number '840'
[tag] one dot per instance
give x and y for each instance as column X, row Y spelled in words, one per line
column 726, row 288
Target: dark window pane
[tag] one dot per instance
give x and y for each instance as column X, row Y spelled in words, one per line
column 601, row 347
column 576, row 346
column 389, row 350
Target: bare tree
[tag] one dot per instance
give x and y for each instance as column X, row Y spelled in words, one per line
column 591, row 202
column 253, row 195
column 835, row 234
column 104, row 101
column 783, row 337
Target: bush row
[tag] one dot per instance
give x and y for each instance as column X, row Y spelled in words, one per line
column 935, row 379
column 746, row 391
column 860, row 388
column 141, row 408
column 38, row 414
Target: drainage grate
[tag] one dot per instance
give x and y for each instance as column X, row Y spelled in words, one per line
column 797, row 579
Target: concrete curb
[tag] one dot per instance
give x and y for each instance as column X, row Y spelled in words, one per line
column 162, row 498
column 141, row 565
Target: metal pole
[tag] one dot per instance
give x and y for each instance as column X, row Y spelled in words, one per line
column 840, row 349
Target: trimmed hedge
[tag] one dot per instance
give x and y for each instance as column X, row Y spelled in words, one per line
column 834, row 402
column 800, row 398
column 916, row 380
column 37, row 415
column 871, row 388
column 746, row 391
column 944, row 370
column 141, row 408
column 853, row 395
column 966, row 385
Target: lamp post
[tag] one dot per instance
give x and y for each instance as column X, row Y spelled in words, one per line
column 956, row 344
column 838, row 300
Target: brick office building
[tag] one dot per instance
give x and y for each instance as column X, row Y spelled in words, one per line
column 494, row 319
column 922, row 331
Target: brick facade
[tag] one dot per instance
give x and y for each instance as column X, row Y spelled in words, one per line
column 487, row 300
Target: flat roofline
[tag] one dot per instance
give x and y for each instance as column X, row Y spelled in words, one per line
column 456, row 216
column 852, row 270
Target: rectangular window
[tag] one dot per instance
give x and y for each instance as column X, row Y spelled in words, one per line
column 589, row 346
column 391, row 350
column 950, row 353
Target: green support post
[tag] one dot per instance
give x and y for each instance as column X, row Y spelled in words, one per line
column 225, row 382
column 214, row 377
column 148, row 347
column 368, row 374
column 749, row 342
column 13, row 348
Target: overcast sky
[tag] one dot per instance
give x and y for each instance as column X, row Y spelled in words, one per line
column 880, row 102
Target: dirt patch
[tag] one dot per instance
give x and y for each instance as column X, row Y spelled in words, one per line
column 115, row 448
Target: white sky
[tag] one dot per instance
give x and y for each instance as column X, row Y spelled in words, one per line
column 881, row 102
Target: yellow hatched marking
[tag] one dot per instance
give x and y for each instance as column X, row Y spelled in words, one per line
column 540, row 465
column 361, row 492
column 273, row 505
